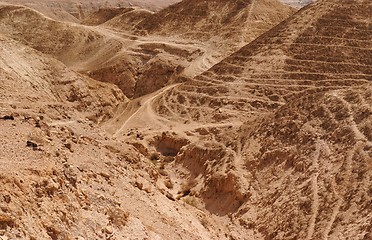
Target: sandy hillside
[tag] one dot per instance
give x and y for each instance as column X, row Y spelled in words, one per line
column 62, row 177
column 34, row 81
column 275, row 130
column 307, row 51
column 298, row 3
column 103, row 53
column 104, row 14
column 74, row 11
column 272, row 142
column 224, row 24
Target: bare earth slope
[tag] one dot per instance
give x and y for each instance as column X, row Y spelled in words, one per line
column 273, row 142
column 278, row 135
column 297, row 3
column 50, row 9
column 222, row 23
column 128, row 20
column 103, row 15
column 61, row 176
column 32, row 80
column 138, row 65
column 323, row 46
column 311, row 167
column 100, row 53
column 74, row 11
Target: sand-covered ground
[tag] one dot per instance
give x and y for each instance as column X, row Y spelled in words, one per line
column 219, row 119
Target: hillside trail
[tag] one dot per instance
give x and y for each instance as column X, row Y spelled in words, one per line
column 243, row 42
column 140, row 114
column 322, row 148
column 315, row 189
column 137, row 113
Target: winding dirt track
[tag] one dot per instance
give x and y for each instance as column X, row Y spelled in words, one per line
column 140, row 113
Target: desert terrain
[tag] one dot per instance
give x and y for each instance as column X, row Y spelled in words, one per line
column 187, row 119
column 76, row 11
column 298, row 3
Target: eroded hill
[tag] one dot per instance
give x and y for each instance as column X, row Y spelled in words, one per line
column 273, row 142
column 34, row 81
column 102, row 54
column 224, row 24
column 75, row 11
column 322, row 47
column 138, row 65
column 62, row 177
column 275, row 129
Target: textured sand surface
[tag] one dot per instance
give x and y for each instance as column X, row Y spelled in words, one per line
column 75, row 11
column 204, row 120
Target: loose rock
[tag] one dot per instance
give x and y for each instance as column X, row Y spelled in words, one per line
column 8, row 117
